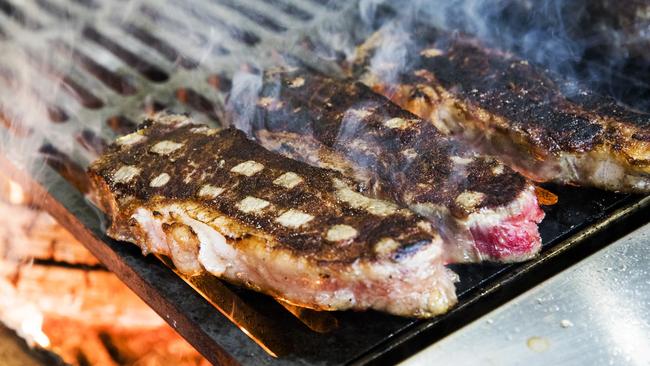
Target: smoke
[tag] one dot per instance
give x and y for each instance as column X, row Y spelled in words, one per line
column 24, row 317
column 560, row 36
column 243, row 99
column 74, row 76
column 599, row 44
column 548, row 33
column 34, row 98
column 510, row 24
column 393, row 55
column 592, row 42
column 589, row 42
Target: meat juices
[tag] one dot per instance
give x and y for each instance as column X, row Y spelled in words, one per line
column 484, row 210
column 514, row 110
column 213, row 200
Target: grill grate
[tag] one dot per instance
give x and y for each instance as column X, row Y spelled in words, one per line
column 105, row 62
column 98, row 66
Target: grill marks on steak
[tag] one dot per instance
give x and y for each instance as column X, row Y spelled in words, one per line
column 485, row 210
column 514, row 110
column 214, row 200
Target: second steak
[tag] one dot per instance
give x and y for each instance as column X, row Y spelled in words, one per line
column 484, row 210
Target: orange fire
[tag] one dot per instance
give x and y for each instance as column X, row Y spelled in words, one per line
column 55, row 295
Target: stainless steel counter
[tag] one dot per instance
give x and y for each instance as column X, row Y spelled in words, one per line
column 594, row 313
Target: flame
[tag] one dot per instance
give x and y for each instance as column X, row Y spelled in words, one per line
column 32, row 328
column 16, row 194
column 21, row 316
column 545, row 197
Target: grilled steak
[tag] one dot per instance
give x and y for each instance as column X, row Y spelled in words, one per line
column 214, row 200
column 513, row 109
column 484, row 210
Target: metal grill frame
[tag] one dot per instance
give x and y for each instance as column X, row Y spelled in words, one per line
column 223, row 342
column 362, row 338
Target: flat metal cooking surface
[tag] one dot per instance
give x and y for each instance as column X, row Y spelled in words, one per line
column 594, row 313
column 96, row 67
column 359, row 337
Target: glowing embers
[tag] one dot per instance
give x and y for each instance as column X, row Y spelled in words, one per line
column 545, row 197
column 66, row 302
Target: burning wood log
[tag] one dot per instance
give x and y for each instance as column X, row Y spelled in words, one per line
column 57, row 295
column 35, row 235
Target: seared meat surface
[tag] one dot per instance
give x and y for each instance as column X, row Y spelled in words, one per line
column 213, row 200
column 484, row 210
column 508, row 107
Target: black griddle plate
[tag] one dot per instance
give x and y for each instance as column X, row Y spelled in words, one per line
column 359, row 337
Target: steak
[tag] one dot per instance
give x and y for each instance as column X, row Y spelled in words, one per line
column 505, row 106
column 483, row 209
column 215, row 201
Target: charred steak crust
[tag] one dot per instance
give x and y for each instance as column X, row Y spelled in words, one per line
column 213, row 200
column 193, row 158
column 508, row 87
column 209, row 161
column 484, row 210
column 512, row 102
column 409, row 155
